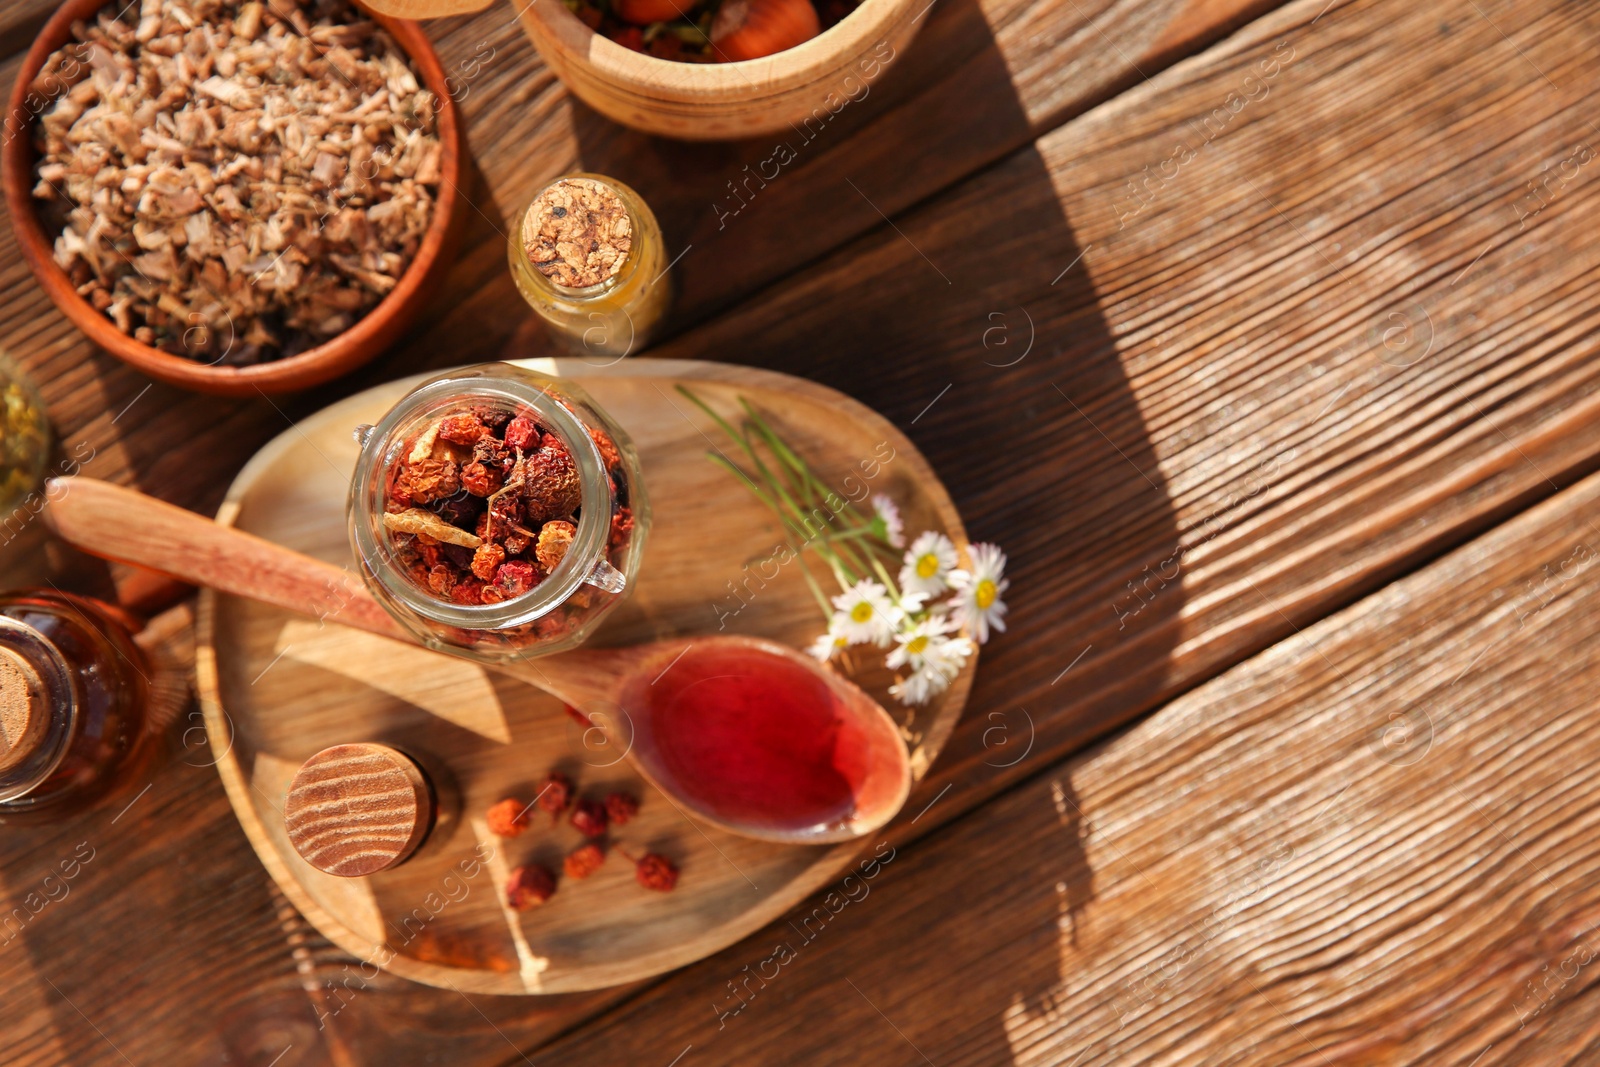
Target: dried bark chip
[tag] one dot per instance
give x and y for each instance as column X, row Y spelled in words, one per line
column 577, row 233
column 227, row 191
column 421, row 521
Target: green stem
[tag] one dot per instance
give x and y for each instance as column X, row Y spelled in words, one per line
column 787, row 454
column 771, row 504
column 816, row 589
column 888, row 582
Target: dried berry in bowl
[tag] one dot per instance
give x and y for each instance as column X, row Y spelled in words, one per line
column 233, row 181
column 710, row 31
column 498, row 512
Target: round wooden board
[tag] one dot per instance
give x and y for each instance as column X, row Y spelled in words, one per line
column 277, row 688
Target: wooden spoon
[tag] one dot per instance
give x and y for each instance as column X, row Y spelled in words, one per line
column 747, row 734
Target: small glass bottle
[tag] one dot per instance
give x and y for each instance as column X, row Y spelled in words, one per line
column 74, row 703
column 588, row 256
column 420, row 512
column 24, row 437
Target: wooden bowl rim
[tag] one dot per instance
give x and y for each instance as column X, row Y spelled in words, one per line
column 360, row 343
column 241, row 793
column 747, row 80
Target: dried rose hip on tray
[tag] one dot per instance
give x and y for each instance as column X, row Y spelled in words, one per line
column 529, row 887
column 620, row 808
column 590, row 818
column 555, row 794
column 584, row 860
column 654, row 871
column 508, row 818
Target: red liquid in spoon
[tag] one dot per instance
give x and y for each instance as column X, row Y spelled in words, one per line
column 757, row 740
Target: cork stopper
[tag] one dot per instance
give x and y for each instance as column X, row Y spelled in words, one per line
column 577, row 233
column 355, row 810
column 24, row 708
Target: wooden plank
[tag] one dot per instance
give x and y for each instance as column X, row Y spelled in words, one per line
column 1039, row 64
column 115, row 424
column 1197, row 368
column 1312, row 352
column 1371, row 843
column 147, row 925
column 20, row 22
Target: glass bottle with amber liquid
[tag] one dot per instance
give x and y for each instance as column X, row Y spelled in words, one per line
column 588, row 256
column 74, row 704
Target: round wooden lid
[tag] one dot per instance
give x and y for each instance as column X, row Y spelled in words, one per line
column 355, row 810
column 24, row 708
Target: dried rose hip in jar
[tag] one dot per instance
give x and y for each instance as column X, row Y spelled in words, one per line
column 498, row 511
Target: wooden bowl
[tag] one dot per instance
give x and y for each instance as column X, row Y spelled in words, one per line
column 375, row 331
column 795, row 92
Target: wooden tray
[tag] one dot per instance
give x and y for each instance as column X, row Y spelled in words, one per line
column 277, row 688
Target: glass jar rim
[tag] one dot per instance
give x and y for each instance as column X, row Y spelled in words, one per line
column 380, row 449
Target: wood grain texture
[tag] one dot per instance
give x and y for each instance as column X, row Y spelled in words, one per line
column 1404, row 156
column 522, row 129
column 1371, row 844
column 722, row 101
column 1312, row 352
column 121, row 524
column 353, row 810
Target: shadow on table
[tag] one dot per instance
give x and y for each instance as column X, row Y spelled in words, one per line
column 974, row 323
column 971, row 321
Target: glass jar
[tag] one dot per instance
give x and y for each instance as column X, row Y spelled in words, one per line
column 612, row 306
column 495, row 593
column 74, row 699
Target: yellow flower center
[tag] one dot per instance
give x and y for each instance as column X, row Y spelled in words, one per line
column 984, row 595
column 862, row 612
column 927, row 565
column 917, row 644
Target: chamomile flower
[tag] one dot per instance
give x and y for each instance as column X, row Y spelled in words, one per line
column 866, row 614
column 934, row 657
column 928, row 564
column 886, row 514
column 829, row 644
column 933, row 679
column 977, row 601
column 915, row 641
column 919, row 687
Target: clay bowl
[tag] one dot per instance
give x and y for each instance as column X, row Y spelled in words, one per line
column 795, row 92
column 375, row 331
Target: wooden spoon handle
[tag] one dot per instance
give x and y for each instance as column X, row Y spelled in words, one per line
column 123, row 524
column 126, row 525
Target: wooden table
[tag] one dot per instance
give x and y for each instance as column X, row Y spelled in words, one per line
column 1264, row 338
